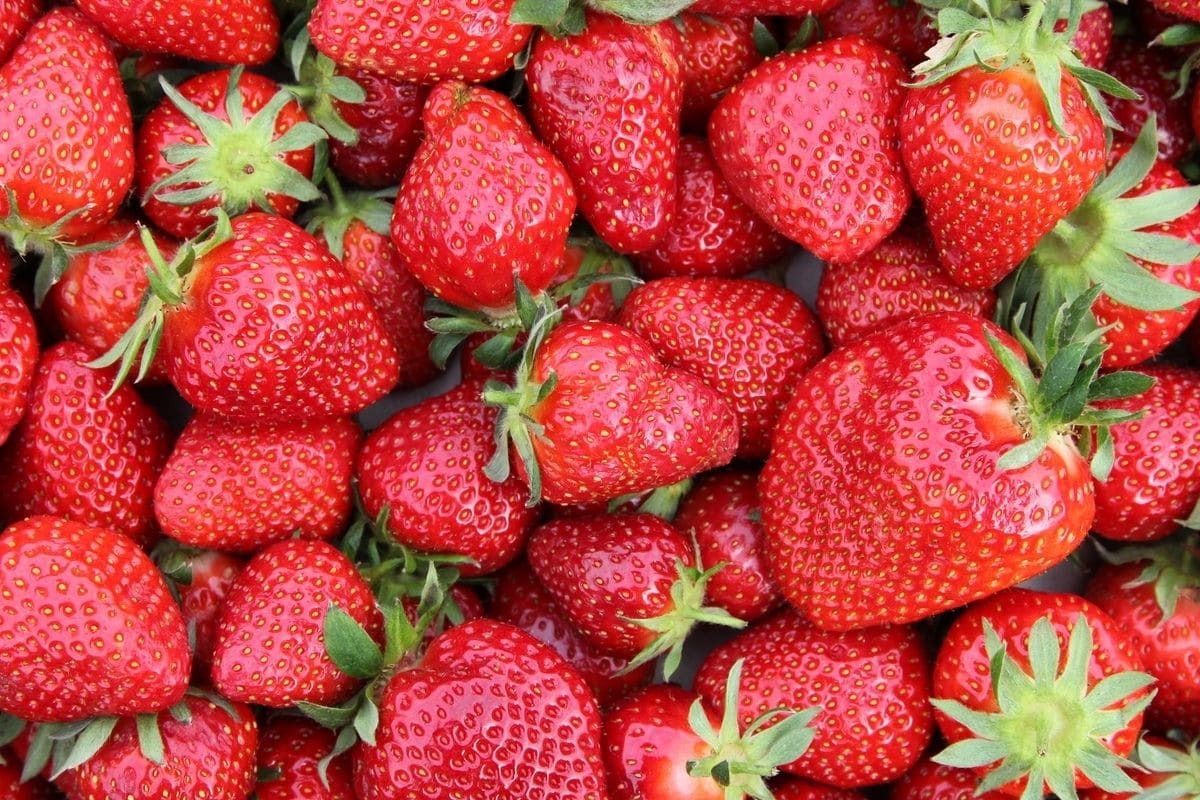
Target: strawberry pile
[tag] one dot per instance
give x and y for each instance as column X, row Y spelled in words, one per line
column 410, row 400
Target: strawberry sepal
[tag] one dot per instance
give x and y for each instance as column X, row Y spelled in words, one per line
column 1181, row 765
column 319, row 88
column 1172, row 567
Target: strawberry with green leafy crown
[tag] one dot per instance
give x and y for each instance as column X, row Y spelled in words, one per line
column 18, row 17
column 18, row 352
column 231, row 32
column 810, row 141
column 91, row 627
column 226, row 139
column 1039, row 693
column 608, row 101
column 290, row 755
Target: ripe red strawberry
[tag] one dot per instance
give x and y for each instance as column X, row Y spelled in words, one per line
column 239, row 486
column 896, row 281
column 18, row 353
column 229, row 139
column 713, row 233
column 99, row 632
column 11, row 785
column 235, row 32
column 421, row 42
column 1153, row 595
column 721, row 512
column 289, row 752
column 790, row 788
column 68, row 176
column 271, row 642
column 929, row 780
column 202, row 580
column 749, row 340
column 592, row 435
column 608, row 101
column 878, row 678
column 732, row 8
column 1151, row 73
column 1093, row 41
column 265, row 324
column 1054, row 652
column 520, row 600
column 914, row 471
column 84, row 450
column 482, row 203
column 529, row 715
column 388, row 127
column 425, row 466
column 717, row 53
column 462, row 605
column 1188, row 9
column 902, row 27
column 810, row 141
column 19, row 15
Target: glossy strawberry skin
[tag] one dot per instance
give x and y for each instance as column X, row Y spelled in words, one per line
column 749, row 340
column 18, row 17
column 212, row 575
column 81, row 454
column 1169, row 648
column 239, row 486
column 789, row 8
column 388, row 123
column 713, row 232
column 932, row 781
column 901, row 27
column 426, row 465
column 482, row 202
column 989, row 134
column 329, row 355
column 871, row 685
column 270, row 647
column 717, row 53
column 293, row 746
column 864, row 526
column 64, row 71
column 1152, row 74
column 608, row 103
column 236, row 32
column 487, row 701
column 521, row 600
column 18, row 353
column 810, row 141
column 792, row 788
column 898, row 280
column 591, row 450
column 466, row 40
column 119, row 649
column 166, row 126
column 1188, row 9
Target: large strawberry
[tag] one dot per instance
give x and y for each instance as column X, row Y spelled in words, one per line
column 265, row 323
column 924, row 466
column 86, row 449
column 608, row 101
column 234, row 32
column 19, row 15
column 18, row 353
column 99, row 632
column 1039, row 692
column 483, row 203
column 594, row 414
column 733, row 8
column 488, row 711
column 810, row 141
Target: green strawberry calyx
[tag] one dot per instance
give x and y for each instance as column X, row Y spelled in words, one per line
column 332, row 217
column 1050, row 723
column 741, row 761
column 1171, row 568
column 319, row 88
column 662, row 502
column 1178, row 766
column 568, row 17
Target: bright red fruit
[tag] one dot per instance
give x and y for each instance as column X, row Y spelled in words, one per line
column 202, row 580
column 902, row 27
column 929, row 780
column 19, row 15
column 1150, row 72
column 388, row 125
column 1094, row 39
column 717, row 53
column 789, row 8
column 528, row 714
column 234, row 32
column 1188, row 9
column 18, row 353
column 90, row 626
column 790, row 788
column 810, row 141
column 11, row 785
column 293, row 747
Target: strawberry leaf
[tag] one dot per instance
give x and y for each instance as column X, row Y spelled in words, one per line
column 350, row 647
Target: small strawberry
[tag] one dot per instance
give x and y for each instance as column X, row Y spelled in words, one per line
column 11, row 785
column 235, row 32
column 929, row 780
column 717, row 53
column 388, row 127
column 902, row 27
column 1188, row 9
column 1151, row 73
column 1093, row 40
column 202, row 579
column 872, row 687
column 18, row 353
column 607, row 102
column 733, row 8
column 86, row 449
column 1011, row 672
column 291, row 756
column 713, row 233
column 19, row 15
column 90, row 626
column 791, row 788
column 810, row 141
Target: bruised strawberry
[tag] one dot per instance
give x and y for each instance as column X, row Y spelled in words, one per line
column 235, row 32
column 290, row 751
column 717, row 53
column 18, row 353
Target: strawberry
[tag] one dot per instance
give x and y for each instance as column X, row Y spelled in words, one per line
column 749, row 340
column 732, row 8
column 66, row 177
column 239, row 486
column 608, row 102
column 425, row 466
column 462, row 604
column 483, row 202
column 236, row 32
column 902, row 27
column 290, row 755
column 1169, row 769
column 717, row 53
column 18, row 353
column 229, row 139
column 529, row 715
column 387, row 124
column 19, row 15
column 420, row 42
column 11, row 785
column 791, row 788
column 266, row 323
column 810, row 141
column 201, row 579
column 591, row 441
column 872, row 687
column 721, row 512
column 628, row 583
column 898, row 280
column 1153, row 594
column 864, row 525
column 520, row 600
column 1188, row 9
column 99, row 632
column 929, row 780
column 1093, row 40
column 1004, row 687
column 713, row 233
column 86, row 449
column 1152, row 74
